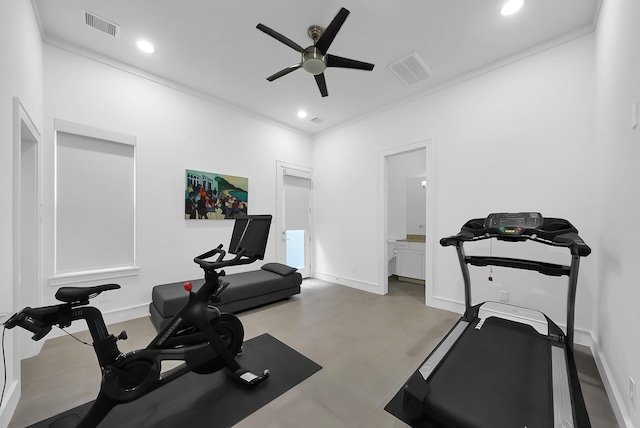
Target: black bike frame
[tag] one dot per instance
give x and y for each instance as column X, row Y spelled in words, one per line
column 190, row 336
column 206, row 345
column 178, row 341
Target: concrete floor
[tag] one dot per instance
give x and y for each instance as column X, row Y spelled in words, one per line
column 368, row 346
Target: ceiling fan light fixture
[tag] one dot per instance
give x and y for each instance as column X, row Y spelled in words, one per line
column 313, row 61
column 511, row 7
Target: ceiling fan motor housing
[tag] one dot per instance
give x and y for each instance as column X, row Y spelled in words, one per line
column 313, row 61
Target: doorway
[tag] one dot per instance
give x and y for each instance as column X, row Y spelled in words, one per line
column 26, row 221
column 294, row 226
column 403, row 169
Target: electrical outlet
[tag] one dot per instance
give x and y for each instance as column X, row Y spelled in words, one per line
column 504, row 296
column 632, row 392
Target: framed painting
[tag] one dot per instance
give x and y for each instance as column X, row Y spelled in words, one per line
column 211, row 196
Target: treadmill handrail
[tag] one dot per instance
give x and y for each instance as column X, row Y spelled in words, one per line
column 554, row 231
column 544, row 268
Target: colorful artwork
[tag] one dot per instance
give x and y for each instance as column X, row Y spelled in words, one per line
column 210, row 196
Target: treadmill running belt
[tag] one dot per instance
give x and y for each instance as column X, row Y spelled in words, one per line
column 498, row 376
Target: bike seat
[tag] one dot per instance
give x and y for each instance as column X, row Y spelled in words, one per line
column 82, row 294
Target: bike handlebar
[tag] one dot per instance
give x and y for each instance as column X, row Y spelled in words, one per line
column 217, row 250
column 25, row 319
column 239, row 259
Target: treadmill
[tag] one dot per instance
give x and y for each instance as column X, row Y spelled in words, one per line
column 503, row 365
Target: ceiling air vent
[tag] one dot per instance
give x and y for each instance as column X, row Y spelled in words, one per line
column 317, row 120
column 101, row 24
column 411, row 69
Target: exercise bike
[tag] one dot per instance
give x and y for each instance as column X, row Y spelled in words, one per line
column 204, row 339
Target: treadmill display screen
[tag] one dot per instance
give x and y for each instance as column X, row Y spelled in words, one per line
column 514, row 221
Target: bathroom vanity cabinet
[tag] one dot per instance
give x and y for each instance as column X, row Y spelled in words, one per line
column 410, row 259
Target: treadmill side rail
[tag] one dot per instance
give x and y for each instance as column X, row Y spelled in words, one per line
column 562, row 407
column 417, row 387
column 442, row 350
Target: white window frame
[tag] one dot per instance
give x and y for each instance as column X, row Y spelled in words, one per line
column 99, row 274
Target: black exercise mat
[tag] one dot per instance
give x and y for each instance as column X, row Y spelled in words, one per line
column 213, row 400
column 395, row 408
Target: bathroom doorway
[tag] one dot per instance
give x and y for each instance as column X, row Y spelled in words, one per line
column 408, row 184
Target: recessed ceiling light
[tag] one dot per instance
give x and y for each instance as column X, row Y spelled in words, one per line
column 511, row 7
column 145, row 46
column 302, row 114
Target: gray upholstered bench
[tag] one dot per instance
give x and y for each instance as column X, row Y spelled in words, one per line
column 273, row 282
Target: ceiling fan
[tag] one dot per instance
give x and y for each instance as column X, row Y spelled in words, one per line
column 315, row 58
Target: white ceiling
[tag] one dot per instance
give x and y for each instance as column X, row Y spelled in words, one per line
column 214, row 47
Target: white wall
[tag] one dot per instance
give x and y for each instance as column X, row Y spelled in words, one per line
column 528, row 125
column 175, row 131
column 20, row 76
column 618, row 199
column 517, row 138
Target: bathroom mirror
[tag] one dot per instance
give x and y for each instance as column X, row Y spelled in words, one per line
column 416, row 207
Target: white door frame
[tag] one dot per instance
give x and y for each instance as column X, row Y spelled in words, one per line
column 24, row 347
column 305, row 172
column 430, row 254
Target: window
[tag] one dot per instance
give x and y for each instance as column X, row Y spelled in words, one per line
column 95, row 210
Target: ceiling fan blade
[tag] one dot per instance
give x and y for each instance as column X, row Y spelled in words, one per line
column 338, row 61
column 283, row 72
column 322, row 84
column 330, row 32
column 280, row 37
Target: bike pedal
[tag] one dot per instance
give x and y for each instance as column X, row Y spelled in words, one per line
column 254, row 379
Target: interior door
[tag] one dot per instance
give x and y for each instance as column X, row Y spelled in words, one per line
column 297, row 220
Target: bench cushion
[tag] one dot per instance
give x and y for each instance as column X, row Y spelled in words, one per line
column 168, row 299
column 279, row 268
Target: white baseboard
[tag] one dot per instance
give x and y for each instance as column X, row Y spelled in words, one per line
column 9, row 403
column 126, row 314
column 583, row 337
column 445, row 304
column 616, row 397
column 349, row 282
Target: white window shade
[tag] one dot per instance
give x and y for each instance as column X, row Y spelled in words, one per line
column 95, row 201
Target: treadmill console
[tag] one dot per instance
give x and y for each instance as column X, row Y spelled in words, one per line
column 513, row 223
